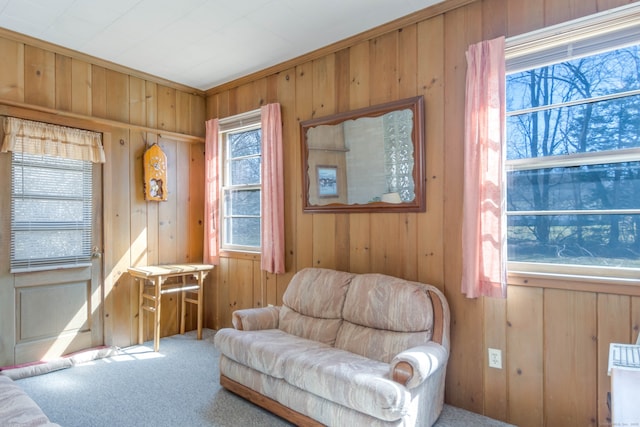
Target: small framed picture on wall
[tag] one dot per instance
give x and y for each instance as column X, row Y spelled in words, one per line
column 327, row 181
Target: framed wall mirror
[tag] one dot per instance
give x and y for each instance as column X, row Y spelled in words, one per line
column 366, row 160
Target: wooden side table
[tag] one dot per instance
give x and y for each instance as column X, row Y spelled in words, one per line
column 153, row 277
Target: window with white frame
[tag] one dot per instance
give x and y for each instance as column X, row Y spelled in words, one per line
column 240, row 199
column 51, row 212
column 573, row 148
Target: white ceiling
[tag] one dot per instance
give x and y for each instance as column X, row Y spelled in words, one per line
column 199, row 43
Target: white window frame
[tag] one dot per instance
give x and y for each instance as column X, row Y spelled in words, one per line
column 238, row 123
column 591, row 35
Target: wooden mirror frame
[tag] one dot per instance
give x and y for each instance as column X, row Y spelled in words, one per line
column 416, row 105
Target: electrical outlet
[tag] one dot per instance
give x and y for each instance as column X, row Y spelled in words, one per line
column 495, row 358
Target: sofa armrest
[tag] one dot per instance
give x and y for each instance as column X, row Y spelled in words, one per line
column 254, row 319
column 412, row 366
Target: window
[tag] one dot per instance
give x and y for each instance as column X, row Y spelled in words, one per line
column 51, row 212
column 573, row 149
column 240, row 138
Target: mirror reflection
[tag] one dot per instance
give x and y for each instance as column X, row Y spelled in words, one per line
column 365, row 159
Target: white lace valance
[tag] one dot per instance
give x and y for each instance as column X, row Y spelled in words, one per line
column 26, row 136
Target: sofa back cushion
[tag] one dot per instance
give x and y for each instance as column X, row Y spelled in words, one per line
column 313, row 302
column 384, row 315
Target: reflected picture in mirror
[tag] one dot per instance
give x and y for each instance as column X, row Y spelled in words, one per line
column 375, row 155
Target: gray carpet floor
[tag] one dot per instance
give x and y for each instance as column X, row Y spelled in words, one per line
column 178, row 386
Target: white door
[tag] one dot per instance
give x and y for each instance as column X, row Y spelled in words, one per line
column 50, row 303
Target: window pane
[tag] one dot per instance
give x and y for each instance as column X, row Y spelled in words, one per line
column 604, row 240
column 45, row 181
column 242, row 202
column 602, row 187
column 242, row 231
column 245, row 143
column 38, row 210
column 583, row 78
column 591, row 127
column 45, row 244
column 245, row 171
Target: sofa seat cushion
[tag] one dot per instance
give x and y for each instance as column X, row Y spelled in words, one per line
column 265, row 351
column 348, row 379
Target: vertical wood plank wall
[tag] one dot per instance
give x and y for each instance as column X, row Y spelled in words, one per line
column 554, row 342
column 51, row 86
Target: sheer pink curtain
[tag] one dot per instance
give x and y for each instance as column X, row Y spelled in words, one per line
column 483, row 223
column 211, row 194
column 272, row 258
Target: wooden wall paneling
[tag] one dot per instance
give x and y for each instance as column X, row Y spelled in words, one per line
column 570, row 358
column 117, row 240
column 495, row 380
column 464, row 383
column 430, row 79
column 12, row 70
column 166, row 108
column 195, row 221
column 635, row 319
column 304, row 222
column 198, row 117
column 259, row 95
column 359, row 76
column 196, row 202
column 524, row 16
column 494, row 18
column 523, row 356
column 39, row 79
column 81, row 87
column 168, row 234
column 614, row 314
column 183, row 191
column 117, row 96
column 138, row 219
column 359, row 96
column 98, row 91
column 241, row 285
column 211, row 105
column 244, row 98
column 182, row 201
column 63, row 81
column 151, row 104
column 263, row 282
column 224, row 305
column 137, row 102
column 183, row 112
column 561, row 11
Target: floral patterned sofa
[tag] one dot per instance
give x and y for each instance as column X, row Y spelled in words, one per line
column 343, row 349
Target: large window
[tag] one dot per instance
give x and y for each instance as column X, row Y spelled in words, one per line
column 573, row 156
column 241, row 183
column 51, row 216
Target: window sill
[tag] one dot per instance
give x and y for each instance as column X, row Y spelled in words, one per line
column 605, row 285
column 253, row 256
